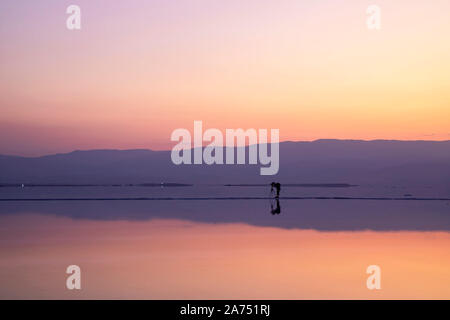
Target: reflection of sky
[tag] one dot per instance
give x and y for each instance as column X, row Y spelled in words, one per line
column 166, row 258
column 322, row 215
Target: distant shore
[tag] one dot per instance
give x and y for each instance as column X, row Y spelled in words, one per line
column 170, row 184
column 162, row 184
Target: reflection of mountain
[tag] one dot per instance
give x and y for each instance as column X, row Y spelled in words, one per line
column 322, row 161
column 324, row 215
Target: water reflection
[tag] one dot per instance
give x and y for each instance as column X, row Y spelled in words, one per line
column 175, row 259
column 275, row 209
column 323, row 215
column 224, row 248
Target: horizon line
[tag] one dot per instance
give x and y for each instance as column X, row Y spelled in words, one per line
column 168, row 150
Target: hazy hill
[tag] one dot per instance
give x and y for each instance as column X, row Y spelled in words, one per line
column 321, row 161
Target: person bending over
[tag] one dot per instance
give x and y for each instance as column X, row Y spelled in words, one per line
column 277, row 187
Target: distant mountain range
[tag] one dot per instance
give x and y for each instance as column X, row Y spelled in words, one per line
column 421, row 163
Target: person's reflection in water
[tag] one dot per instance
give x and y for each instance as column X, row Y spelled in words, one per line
column 277, row 210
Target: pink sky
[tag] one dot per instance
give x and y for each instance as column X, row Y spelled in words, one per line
column 137, row 70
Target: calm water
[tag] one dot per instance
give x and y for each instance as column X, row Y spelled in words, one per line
column 224, row 249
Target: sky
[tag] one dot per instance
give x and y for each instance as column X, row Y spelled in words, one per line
column 137, row 70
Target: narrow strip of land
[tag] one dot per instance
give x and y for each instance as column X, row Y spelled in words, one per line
column 226, row 198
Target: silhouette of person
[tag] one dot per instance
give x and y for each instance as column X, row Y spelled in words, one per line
column 277, row 210
column 277, row 186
